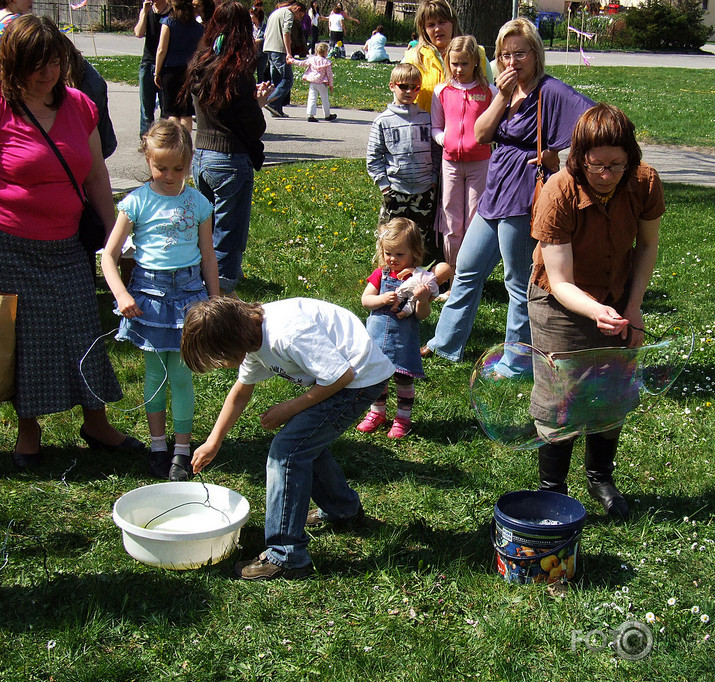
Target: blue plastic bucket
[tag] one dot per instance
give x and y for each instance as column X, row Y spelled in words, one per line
column 536, row 535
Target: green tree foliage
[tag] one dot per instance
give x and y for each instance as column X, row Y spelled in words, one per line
column 668, row 25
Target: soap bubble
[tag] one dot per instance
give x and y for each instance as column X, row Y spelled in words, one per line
column 577, row 392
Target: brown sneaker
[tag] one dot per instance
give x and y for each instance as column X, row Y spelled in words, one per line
column 426, row 352
column 262, row 569
column 314, row 520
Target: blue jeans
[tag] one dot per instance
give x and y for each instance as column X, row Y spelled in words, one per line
column 281, row 77
column 484, row 245
column 300, row 466
column 226, row 180
column 148, row 93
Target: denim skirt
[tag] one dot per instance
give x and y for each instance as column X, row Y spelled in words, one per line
column 163, row 296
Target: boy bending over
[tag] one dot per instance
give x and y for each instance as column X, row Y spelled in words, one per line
column 313, row 344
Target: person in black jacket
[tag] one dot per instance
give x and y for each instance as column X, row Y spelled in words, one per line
column 149, row 27
column 229, row 126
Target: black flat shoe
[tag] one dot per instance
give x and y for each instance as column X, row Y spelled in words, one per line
column 129, row 443
column 159, row 464
column 30, row 460
column 181, row 469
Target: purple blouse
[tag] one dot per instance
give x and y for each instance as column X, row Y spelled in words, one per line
column 510, row 181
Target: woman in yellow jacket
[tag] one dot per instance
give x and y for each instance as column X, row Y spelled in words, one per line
column 436, row 23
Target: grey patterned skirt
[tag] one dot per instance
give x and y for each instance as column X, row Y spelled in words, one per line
column 57, row 321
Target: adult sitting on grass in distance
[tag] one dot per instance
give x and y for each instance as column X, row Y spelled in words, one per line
column 374, row 48
column 41, row 257
column 597, row 224
column 229, row 126
column 312, row 344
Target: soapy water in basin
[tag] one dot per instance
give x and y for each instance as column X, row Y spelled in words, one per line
column 177, row 521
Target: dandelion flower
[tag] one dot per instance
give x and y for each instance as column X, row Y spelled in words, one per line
column 650, row 617
column 705, row 618
column 671, row 601
column 695, row 609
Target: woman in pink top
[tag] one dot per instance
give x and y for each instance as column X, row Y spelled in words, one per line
column 41, row 258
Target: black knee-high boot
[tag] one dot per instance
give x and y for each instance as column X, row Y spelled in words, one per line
column 554, row 462
column 599, row 466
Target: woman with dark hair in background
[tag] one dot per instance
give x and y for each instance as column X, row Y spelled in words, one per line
column 180, row 34
column 229, row 126
column 41, row 257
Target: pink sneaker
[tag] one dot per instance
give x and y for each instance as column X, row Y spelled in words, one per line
column 372, row 422
column 400, row 428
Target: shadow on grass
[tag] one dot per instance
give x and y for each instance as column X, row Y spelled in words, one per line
column 136, row 597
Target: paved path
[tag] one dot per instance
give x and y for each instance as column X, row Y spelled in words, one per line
column 108, row 44
column 294, row 139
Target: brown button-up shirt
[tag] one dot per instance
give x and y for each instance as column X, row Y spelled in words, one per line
column 602, row 236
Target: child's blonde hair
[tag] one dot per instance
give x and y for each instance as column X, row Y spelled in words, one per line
column 406, row 72
column 400, row 231
column 322, row 49
column 165, row 135
column 469, row 46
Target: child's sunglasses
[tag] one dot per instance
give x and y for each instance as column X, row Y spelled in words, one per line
column 408, row 86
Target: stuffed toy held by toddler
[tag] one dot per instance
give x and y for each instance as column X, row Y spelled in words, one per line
column 406, row 291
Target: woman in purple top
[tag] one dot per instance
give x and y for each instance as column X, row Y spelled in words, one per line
column 501, row 227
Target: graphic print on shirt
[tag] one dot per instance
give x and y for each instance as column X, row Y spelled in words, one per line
column 181, row 225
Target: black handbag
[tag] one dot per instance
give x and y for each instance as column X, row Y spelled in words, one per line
column 91, row 230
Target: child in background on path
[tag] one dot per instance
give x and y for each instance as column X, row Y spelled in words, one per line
column 319, row 75
column 170, row 225
column 399, row 252
column 456, row 105
column 402, row 159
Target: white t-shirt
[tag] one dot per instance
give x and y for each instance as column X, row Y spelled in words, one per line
column 336, row 22
column 308, row 341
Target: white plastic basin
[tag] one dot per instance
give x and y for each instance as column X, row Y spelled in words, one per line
column 188, row 536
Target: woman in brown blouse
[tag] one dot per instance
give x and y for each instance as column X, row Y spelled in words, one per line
column 597, row 223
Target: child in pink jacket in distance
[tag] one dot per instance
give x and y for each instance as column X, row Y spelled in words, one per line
column 319, row 75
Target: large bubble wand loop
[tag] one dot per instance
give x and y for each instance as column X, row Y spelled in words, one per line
column 575, row 392
column 205, row 503
column 122, row 409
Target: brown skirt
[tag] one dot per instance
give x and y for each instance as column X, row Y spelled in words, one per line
column 572, row 388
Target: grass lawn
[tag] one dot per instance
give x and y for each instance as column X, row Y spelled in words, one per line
column 414, row 595
column 668, row 106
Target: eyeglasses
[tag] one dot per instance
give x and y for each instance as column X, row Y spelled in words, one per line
column 613, row 168
column 408, row 86
column 518, row 56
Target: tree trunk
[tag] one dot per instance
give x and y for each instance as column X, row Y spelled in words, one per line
column 483, row 19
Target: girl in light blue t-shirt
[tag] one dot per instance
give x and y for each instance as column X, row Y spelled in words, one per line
column 170, row 225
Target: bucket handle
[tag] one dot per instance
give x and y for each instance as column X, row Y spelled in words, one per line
column 536, row 557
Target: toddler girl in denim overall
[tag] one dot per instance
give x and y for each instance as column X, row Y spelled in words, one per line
column 399, row 251
column 170, row 224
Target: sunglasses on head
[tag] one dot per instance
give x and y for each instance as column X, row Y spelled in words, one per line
column 408, row 86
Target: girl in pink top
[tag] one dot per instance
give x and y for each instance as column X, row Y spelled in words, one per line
column 456, row 105
column 319, row 75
